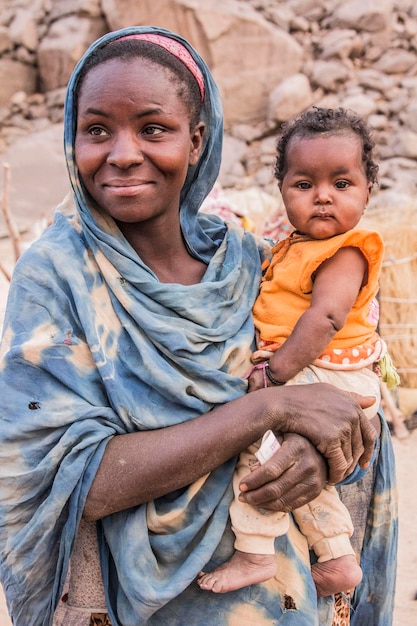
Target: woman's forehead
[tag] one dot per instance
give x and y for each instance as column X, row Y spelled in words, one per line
column 133, row 88
column 129, row 76
column 116, row 66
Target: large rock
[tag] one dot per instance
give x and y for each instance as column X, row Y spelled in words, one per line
column 404, row 143
column 361, row 104
column 23, row 30
column 396, row 61
column 62, row 8
column 246, row 54
column 342, row 43
column 327, row 74
column 38, row 178
column 6, row 42
column 289, row 98
column 15, row 76
column 64, row 44
column 368, row 15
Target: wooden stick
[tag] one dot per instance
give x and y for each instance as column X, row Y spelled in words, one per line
column 11, row 226
column 394, row 414
column 5, row 273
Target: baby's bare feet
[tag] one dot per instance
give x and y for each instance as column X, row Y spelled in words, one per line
column 336, row 575
column 241, row 570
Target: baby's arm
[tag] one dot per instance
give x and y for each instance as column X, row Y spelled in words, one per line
column 337, row 283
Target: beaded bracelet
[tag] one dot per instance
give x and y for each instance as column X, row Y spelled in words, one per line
column 270, row 377
column 264, row 366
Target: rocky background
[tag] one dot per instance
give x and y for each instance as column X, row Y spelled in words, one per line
column 271, row 59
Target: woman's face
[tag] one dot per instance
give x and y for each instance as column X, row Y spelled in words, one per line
column 133, row 140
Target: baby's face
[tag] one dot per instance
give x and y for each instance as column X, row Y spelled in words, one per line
column 325, row 189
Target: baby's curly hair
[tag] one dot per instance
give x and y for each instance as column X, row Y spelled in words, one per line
column 320, row 121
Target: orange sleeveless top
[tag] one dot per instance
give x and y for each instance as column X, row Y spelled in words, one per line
column 287, row 285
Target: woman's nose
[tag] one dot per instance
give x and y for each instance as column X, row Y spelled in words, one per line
column 125, row 151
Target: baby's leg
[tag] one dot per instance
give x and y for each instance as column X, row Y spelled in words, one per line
column 327, row 525
column 325, row 521
column 255, row 530
column 340, row 574
column 241, row 570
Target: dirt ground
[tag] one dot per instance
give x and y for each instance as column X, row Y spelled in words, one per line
column 38, row 181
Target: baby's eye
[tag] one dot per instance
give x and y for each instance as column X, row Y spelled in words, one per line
column 303, row 185
column 97, row 131
column 342, row 184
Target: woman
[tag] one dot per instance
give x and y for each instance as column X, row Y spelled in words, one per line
column 127, row 333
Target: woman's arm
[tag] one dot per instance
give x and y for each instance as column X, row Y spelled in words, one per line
column 139, row 467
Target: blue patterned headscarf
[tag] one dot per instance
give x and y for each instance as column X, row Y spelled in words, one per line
column 204, row 234
column 95, row 346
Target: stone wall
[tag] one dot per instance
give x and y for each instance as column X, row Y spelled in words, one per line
column 271, row 59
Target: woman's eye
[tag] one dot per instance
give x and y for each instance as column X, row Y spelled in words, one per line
column 152, row 130
column 97, row 131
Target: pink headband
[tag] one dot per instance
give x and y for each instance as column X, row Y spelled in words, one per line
column 177, row 49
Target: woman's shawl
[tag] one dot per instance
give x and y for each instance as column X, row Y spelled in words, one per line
column 95, row 346
column 373, row 599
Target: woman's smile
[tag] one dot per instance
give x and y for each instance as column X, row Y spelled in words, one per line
column 126, row 188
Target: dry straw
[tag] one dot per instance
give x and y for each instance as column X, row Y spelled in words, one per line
column 398, row 287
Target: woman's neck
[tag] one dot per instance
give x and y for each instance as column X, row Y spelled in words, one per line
column 165, row 253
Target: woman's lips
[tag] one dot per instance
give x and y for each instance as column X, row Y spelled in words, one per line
column 126, row 188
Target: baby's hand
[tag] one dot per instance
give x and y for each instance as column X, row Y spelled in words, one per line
column 256, row 380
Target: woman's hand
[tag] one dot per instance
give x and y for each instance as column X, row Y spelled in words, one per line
column 333, row 421
column 292, row 477
column 298, row 472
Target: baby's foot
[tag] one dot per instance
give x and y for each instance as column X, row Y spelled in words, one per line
column 241, row 570
column 336, row 575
